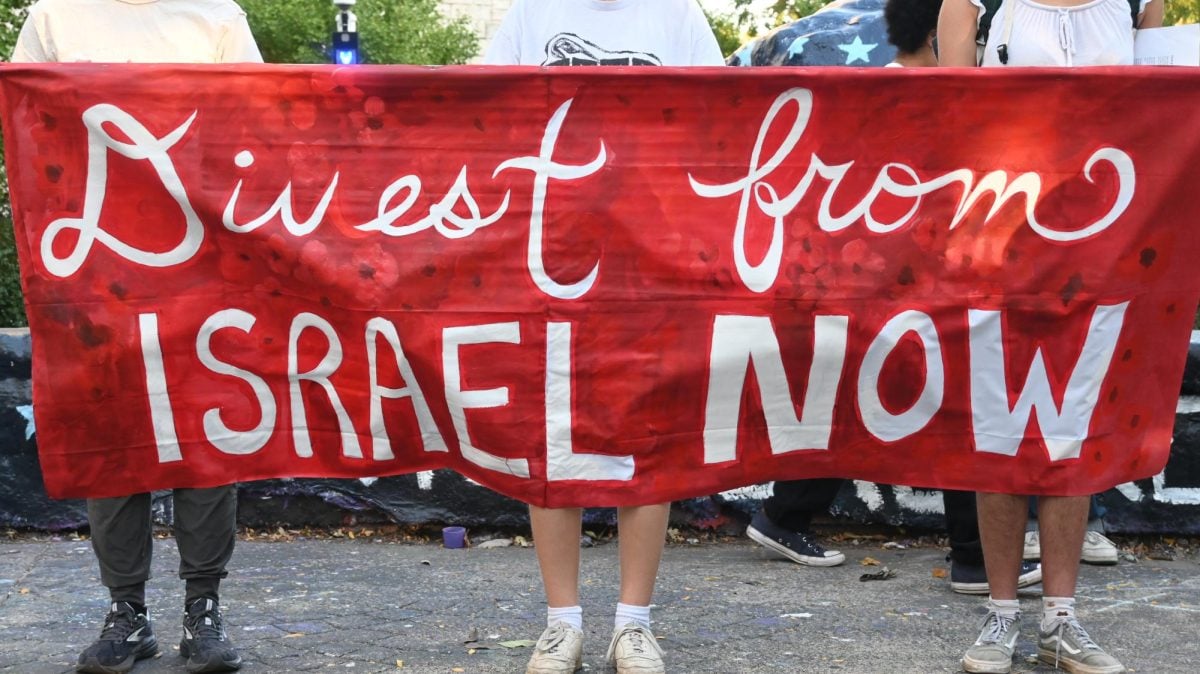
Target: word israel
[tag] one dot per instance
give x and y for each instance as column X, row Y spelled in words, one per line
column 444, row 219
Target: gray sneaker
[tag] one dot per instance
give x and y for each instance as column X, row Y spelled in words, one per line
column 1069, row 647
column 992, row 652
column 558, row 651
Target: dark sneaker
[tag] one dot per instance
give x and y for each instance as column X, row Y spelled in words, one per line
column 1069, row 647
column 799, row 547
column 992, row 652
column 971, row 579
column 205, row 644
column 125, row 639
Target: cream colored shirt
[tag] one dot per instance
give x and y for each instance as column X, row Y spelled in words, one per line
column 136, row 31
column 1096, row 33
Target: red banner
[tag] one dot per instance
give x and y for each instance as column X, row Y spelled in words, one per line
column 600, row 287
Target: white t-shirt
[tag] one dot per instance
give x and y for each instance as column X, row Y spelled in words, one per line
column 600, row 32
column 1096, row 33
column 136, row 31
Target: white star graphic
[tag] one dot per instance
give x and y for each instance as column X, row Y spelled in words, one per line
column 857, row 51
column 797, row 46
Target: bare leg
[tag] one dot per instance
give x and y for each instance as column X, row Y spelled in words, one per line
column 643, row 532
column 1062, row 521
column 556, row 539
column 1002, row 533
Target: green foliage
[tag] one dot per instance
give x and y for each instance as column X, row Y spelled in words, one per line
column 389, row 31
column 776, row 14
column 726, row 30
column 12, row 306
column 1182, row 11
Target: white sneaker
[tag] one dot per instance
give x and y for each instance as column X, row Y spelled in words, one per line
column 558, row 651
column 1097, row 549
column 634, row 650
column 1033, row 546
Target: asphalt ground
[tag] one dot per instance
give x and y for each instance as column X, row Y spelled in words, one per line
column 378, row 605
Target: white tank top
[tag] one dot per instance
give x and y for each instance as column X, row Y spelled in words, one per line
column 1096, row 33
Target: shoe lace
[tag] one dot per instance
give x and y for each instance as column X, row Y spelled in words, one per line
column 639, row 639
column 207, row 625
column 1081, row 637
column 811, row 542
column 552, row 638
column 995, row 626
column 118, row 625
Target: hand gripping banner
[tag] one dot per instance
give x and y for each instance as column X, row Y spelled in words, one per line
column 603, row 287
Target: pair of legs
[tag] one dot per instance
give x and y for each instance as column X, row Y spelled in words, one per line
column 122, row 538
column 556, row 532
column 1062, row 521
column 1062, row 642
column 633, row 648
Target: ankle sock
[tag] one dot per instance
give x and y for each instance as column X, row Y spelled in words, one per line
column 627, row 613
column 1008, row 608
column 1056, row 610
column 571, row 615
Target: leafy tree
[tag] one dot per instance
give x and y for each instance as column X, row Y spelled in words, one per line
column 1182, row 11
column 726, row 30
column 389, row 31
column 776, row 14
column 12, row 306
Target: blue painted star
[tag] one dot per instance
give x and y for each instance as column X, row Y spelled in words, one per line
column 797, row 46
column 857, row 51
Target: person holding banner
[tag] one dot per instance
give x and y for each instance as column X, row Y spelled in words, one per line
column 1028, row 33
column 623, row 33
column 783, row 523
column 205, row 526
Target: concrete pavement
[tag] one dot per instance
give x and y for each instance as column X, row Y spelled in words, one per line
column 363, row 605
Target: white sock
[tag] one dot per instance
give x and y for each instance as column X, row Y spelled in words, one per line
column 571, row 615
column 632, row 614
column 1056, row 610
column 1008, row 608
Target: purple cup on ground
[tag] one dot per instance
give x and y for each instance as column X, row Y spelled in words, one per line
column 454, row 537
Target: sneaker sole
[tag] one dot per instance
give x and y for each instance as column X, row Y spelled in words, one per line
column 542, row 670
column 197, row 667
column 978, row 667
column 1100, row 560
column 214, row 666
column 768, row 542
column 1049, row 658
column 147, row 649
column 1032, row 578
column 638, row 670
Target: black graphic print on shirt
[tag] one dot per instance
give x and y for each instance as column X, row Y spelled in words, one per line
column 568, row 49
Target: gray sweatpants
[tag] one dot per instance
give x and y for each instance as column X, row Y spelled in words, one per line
column 205, row 529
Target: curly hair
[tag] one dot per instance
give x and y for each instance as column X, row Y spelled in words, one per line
column 909, row 22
